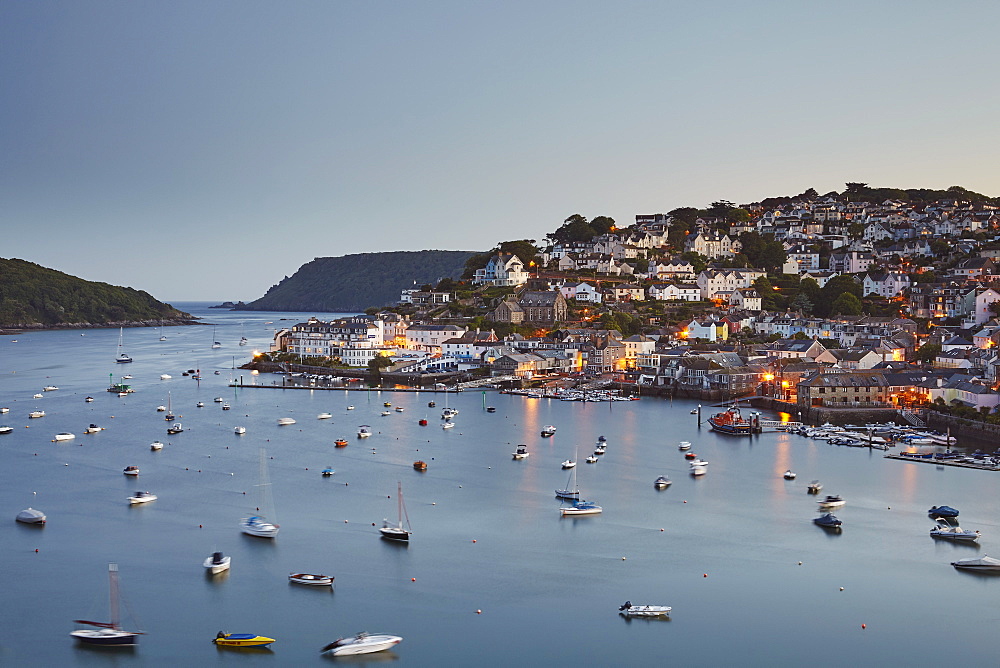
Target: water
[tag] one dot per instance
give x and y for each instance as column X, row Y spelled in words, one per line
column 487, row 532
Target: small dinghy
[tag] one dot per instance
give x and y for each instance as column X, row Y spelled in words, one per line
column 31, row 516
column 327, row 472
column 241, row 640
column 156, row 445
column 175, row 428
column 592, row 459
column 89, row 399
column 216, row 563
column 684, row 445
column 828, row 521
column 340, row 442
column 65, row 436
column 285, row 421
column 789, row 475
column 420, row 465
column 942, row 511
column 630, row 610
column 362, row 643
column 548, row 430
column 200, row 404
column 93, row 429
column 662, row 482
column 312, row 579
column 324, row 416
column 239, row 431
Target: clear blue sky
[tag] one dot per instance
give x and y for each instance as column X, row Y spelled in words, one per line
column 204, row 150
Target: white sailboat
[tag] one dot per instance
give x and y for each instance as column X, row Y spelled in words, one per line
column 162, row 337
column 122, row 357
column 215, row 341
column 572, row 492
column 169, row 417
column 396, row 531
column 258, row 525
column 243, row 335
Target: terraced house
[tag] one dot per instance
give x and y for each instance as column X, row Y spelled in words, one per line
column 856, row 389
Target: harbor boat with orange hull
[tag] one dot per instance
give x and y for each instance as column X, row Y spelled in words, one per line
column 731, row 422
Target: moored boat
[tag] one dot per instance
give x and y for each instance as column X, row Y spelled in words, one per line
column 630, row 610
column 31, row 516
column 141, row 497
column 942, row 511
column 131, row 470
column 93, row 429
column 108, row 634
column 684, row 445
column 64, row 436
column 581, row 508
column 340, row 442
column 239, row 431
column 216, row 563
column 241, row 640
column 568, row 464
column 36, row 414
column 286, row 421
column 548, row 430
column 396, row 531
column 953, row 532
column 364, row 431
column 362, row 643
column 420, row 465
column 789, row 475
column 313, row 579
column 831, row 501
column 521, row 452
column 730, row 421
column 661, row 482
column 814, row 487
column 829, row 520
column 983, row 563
column 175, row 428
column 156, row 445
column 324, row 416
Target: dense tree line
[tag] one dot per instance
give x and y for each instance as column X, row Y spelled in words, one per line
column 355, row 282
column 34, row 295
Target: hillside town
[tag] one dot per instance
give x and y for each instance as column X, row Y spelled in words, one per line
column 836, row 301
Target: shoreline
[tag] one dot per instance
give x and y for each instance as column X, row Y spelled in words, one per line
column 39, row 327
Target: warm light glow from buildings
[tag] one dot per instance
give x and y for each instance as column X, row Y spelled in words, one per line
column 769, row 377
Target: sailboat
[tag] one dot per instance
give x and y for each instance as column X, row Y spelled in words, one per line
column 162, row 337
column 572, row 492
column 397, row 532
column 215, row 341
column 257, row 525
column 122, row 357
column 169, row 417
column 243, row 335
column 107, row 633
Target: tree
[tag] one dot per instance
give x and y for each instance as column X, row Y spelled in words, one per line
column 856, row 230
column 855, row 190
column 994, row 308
column 802, row 303
column 574, row 228
column 602, row 225
column 772, row 257
column 522, row 248
column 927, row 352
column 800, row 336
column 846, row 304
column 832, row 291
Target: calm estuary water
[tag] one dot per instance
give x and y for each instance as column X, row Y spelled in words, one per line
column 487, row 532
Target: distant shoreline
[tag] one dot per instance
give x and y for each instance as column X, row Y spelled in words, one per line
column 38, row 327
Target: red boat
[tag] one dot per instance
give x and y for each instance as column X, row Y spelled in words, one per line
column 730, row 421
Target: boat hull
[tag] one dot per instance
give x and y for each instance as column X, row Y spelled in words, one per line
column 392, row 533
column 364, row 646
column 216, row 568
column 105, row 637
column 242, row 640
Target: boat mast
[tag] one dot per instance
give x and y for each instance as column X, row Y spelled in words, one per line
column 113, row 580
column 402, row 508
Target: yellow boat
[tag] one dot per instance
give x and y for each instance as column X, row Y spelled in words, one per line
column 241, row 640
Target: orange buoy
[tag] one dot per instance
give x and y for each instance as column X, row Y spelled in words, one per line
column 473, row 540
column 704, row 575
column 864, row 626
column 479, row 612
column 413, row 579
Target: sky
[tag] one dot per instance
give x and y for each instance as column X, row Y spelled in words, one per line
column 205, row 150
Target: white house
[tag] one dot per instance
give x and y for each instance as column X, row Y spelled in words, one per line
column 582, row 292
column 688, row 292
column 747, row 298
column 504, row 269
column 884, row 284
column 712, row 281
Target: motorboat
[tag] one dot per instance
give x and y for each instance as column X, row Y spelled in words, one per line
column 256, row 525
column 364, row 431
column 324, row 416
column 831, row 502
column 161, row 409
column 630, row 610
column 387, row 404
column 684, row 445
column 216, row 563
column 952, row 532
column 581, row 508
column 200, row 404
column 942, row 511
column 312, row 579
column 422, row 422
column 362, row 643
column 548, row 430
column 983, row 563
column 141, row 497
column 699, row 470
column 568, row 464
column 131, row 471
column 592, row 459
column 350, row 408
column 340, row 442
column 662, row 482
column 88, row 400
column 286, row 421
column 108, row 634
column 165, row 376
column 789, row 475
column 814, row 487
column 64, row 436
column 690, row 455
column 5, row 409
column 226, row 407
column 399, row 409
column 239, row 431
column 448, row 413
column 829, row 521
column 600, row 449
column 420, row 465
column 385, row 413
column 218, row 400
column 693, row 411
column 156, row 445
column 396, row 531
column 49, row 388
column 327, row 472
column 521, row 452
column 431, row 404
column 491, row 409
column 175, row 428
column 6, row 429
column 36, row 414
column 241, row 639
column 31, row 516
column 697, row 462
column 93, row 429
column 37, row 396
column 447, row 425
